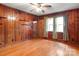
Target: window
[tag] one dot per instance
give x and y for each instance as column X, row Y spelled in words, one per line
column 49, row 24
column 56, row 24
column 59, row 24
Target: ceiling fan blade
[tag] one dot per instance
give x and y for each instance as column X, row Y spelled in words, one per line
column 31, row 3
column 39, row 4
column 36, row 4
column 47, row 6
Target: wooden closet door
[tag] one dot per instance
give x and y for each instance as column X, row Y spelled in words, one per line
column 26, row 31
column 23, row 31
column 34, row 30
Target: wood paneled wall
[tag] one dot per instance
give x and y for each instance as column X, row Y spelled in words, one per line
column 73, row 24
column 40, row 25
column 73, row 21
column 15, row 30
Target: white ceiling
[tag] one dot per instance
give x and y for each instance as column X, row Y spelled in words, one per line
column 56, row 7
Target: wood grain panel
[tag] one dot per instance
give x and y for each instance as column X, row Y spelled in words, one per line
column 13, row 27
column 72, row 25
column 40, row 27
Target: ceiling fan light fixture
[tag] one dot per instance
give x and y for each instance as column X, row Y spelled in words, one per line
column 38, row 9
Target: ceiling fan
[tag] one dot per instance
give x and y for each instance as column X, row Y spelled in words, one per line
column 40, row 6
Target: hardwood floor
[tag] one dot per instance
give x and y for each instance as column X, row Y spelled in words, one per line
column 39, row 47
